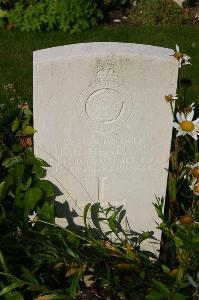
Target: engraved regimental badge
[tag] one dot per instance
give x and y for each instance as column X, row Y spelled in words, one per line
column 104, row 105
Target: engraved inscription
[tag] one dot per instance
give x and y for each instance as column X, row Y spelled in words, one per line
column 109, row 155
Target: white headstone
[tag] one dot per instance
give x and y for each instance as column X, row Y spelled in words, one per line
column 180, row 2
column 103, row 124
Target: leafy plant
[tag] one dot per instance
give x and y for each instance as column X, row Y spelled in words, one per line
column 71, row 16
column 22, row 185
column 158, row 12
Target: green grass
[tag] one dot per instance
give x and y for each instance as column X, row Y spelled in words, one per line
column 16, row 51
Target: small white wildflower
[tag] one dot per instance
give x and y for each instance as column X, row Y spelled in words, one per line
column 23, row 105
column 170, row 98
column 134, row 3
column 33, row 218
column 9, row 87
column 182, row 58
column 117, row 21
column 19, row 232
column 186, row 125
column 197, row 15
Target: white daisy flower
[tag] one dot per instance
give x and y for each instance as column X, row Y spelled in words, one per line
column 186, row 125
column 33, row 218
column 182, row 58
column 189, row 108
column 170, row 98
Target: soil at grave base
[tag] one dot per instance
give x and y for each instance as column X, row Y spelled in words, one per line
column 120, row 17
column 89, row 294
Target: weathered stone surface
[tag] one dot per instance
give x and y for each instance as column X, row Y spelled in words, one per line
column 103, row 124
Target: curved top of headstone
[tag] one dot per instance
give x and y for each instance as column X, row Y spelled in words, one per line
column 100, row 48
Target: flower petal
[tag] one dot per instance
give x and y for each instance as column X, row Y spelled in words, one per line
column 189, row 116
column 195, row 122
column 179, row 117
column 176, row 125
column 193, row 135
column 180, row 133
column 186, row 57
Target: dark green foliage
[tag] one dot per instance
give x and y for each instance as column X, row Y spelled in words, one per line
column 117, row 4
column 72, row 15
column 158, row 12
column 23, row 188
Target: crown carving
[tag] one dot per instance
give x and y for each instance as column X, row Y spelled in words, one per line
column 107, row 73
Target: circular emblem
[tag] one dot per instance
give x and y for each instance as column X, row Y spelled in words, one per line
column 104, row 106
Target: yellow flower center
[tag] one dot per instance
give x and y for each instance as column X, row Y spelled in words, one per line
column 179, row 55
column 186, row 220
column 196, row 188
column 169, row 98
column 187, row 126
column 174, row 272
column 195, row 172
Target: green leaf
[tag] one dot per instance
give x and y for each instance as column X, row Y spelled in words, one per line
column 155, row 296
column 19, row 197
column 32, row 196
column 15, row 124
column 47, row 187
column 73, row 287
column 3, row 263
column 86, row 209
column 14, row 296
column 16, row 148
column 3, row 13
column 12, row 161
column 38, row 171
column 9, row 288
column 68, row 249
column 2, row 186
column 29, row 276
column 179, row 297
column 95, row 215
column 17, row 173
column 35, row 160
column 142, row 274
column 161, row 287
column 28, row 130
column 165, row 269
column 172, row 183
column 27, row 112
column 46, row 213
column 180, row 274
column 28, row 183
column 178, row 242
